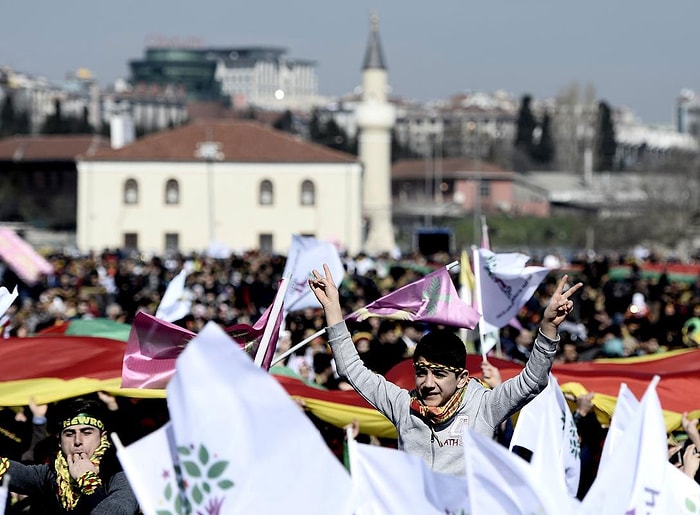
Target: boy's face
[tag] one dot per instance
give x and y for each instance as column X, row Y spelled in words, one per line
column 435, row 384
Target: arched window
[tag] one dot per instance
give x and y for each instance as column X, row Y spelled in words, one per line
column 172, row 192
column 267, row 194
column 131, row 192
column 308, row 193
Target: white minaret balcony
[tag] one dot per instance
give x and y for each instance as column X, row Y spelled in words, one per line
column 375, row 115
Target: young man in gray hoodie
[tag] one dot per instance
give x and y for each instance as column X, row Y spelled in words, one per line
column 430, row 419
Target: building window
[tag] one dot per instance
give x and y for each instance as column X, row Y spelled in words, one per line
column 131, row 192
column 265, row 243
column 172, row 241
column 267, row 195
column 484, row 189
column 131, row 241
column 172, row 192
column 308, row 193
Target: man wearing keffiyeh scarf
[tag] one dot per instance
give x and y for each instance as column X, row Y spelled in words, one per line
column 84, row 478
column 431, row 418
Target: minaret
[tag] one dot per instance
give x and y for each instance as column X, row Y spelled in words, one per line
column 375, row 119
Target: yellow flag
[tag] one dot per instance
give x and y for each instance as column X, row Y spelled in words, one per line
column 466, row 277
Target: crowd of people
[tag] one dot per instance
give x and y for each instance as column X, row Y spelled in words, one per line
column 606, row 317
column 612, row 318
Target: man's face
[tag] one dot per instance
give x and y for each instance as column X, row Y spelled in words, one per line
column 436, row 386
column 526, row 338
column 570, row 353
column 80, row 439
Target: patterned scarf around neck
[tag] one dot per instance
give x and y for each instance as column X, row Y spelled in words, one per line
column 437, row 415
column 70, row 490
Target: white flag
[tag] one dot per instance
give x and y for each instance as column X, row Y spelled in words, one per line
column 149, row 467
column 6, row 299
column 504, row 484
column 503, row 285
column 389, row 481
column 683, row 494
column 547, row 428
column 243, row 444
column 625, row 408
column 177, row 301
column 4, row 490
column 633, row 479
column 305, row 254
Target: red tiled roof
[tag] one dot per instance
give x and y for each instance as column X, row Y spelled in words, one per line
column 50, row 148
column 454, row 167
column 241, row 141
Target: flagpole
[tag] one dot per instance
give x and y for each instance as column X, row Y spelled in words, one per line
column 297, row 346
column 479, row 303
column 117, row 442
column 351, row 449
column 320, row 332
column 271, row 321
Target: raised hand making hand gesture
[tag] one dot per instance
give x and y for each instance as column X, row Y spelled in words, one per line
column 559, row 307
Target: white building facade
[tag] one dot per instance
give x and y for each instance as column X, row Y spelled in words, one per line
column 156, row 195
column 266, row 77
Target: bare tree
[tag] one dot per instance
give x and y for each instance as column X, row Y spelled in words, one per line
column 572, row 126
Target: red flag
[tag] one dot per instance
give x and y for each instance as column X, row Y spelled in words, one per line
column 679, row 371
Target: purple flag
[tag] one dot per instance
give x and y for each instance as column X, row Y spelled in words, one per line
column 432, row 298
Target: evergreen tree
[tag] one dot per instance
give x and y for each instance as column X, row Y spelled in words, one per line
column 285, row 122
column 606, row 145
column 23, row 124
column 526, row 126
column 54, row 123
column 324, row 130
column 84, row 126
column 7, row 116
column 335, row 136
column 544, row 150
column 315, row 127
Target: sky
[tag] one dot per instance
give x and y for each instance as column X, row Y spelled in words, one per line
column 638, row 54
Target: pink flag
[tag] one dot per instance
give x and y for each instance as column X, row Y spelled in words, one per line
column 151, row 352
column 154, row 345
column 432, row 298
column 21, row 257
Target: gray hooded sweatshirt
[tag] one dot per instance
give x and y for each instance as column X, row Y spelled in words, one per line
column 482, row 409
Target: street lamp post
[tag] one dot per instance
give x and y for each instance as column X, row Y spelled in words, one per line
column 210, row 151
column 427, row 186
